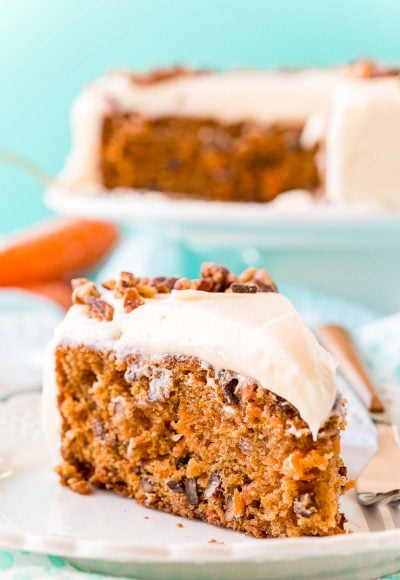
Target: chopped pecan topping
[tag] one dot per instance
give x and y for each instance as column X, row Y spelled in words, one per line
column 238, row 288
column 219, row 276
column 205, row 285
column 259, row 278
column 146, row 291
column 248, row 274
column 183, row 284
column 163, row 284
column 99, row 309
column 161, row 75
column 83, row 289
column 109, row 284
column 127, row 280
column 132, row 299
column 86, row 292
column 214, row 278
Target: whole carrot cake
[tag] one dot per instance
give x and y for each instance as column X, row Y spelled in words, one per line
column 205, row 398
column 240, row 135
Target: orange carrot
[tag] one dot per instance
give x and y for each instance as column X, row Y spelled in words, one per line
column 59, row 292
column 59, row 249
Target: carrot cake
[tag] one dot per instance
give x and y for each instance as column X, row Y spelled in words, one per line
column 208, row 399
column 240, row 135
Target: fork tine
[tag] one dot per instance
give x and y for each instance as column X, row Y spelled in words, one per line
column 395, row 515
column 395, row 499
column 372, row 517
column 386, row 515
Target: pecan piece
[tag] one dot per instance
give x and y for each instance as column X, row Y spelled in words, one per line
column 238, row 288
column 82, row 290
column 264, row 282
column 259, row 278
column 220, row 276
column 99, row 309
column 229, row 392
column 147, row 485
column 205, row 285
column 190, row 486
column 127, row 279
column 146, row 291
column 176, row 486
column 213, row 485
column 248, row 274
column 132, row 299
column 163, row 284
column 109, row 284
column 304, row 505
column 183, row 284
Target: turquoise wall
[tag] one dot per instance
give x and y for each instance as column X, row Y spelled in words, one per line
column 51, row 48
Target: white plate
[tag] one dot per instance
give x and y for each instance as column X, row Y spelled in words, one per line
column 107, row 533
column 292, row 208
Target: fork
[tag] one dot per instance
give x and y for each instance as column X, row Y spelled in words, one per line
column 379, row 481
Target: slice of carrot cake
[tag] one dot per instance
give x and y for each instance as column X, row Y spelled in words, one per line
column 207, row 398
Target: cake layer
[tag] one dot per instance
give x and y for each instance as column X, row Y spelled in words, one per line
column 203, row 158
column 257, row 335
column 180, row 435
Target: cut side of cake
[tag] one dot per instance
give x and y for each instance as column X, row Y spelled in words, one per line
column 208, row 399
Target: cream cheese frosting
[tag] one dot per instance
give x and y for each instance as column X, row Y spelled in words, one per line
column 363, row 142
column 259, row 336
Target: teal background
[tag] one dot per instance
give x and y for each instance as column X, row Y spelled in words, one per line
column 51, row 48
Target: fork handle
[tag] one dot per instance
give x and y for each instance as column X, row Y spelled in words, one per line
column 338, row 342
